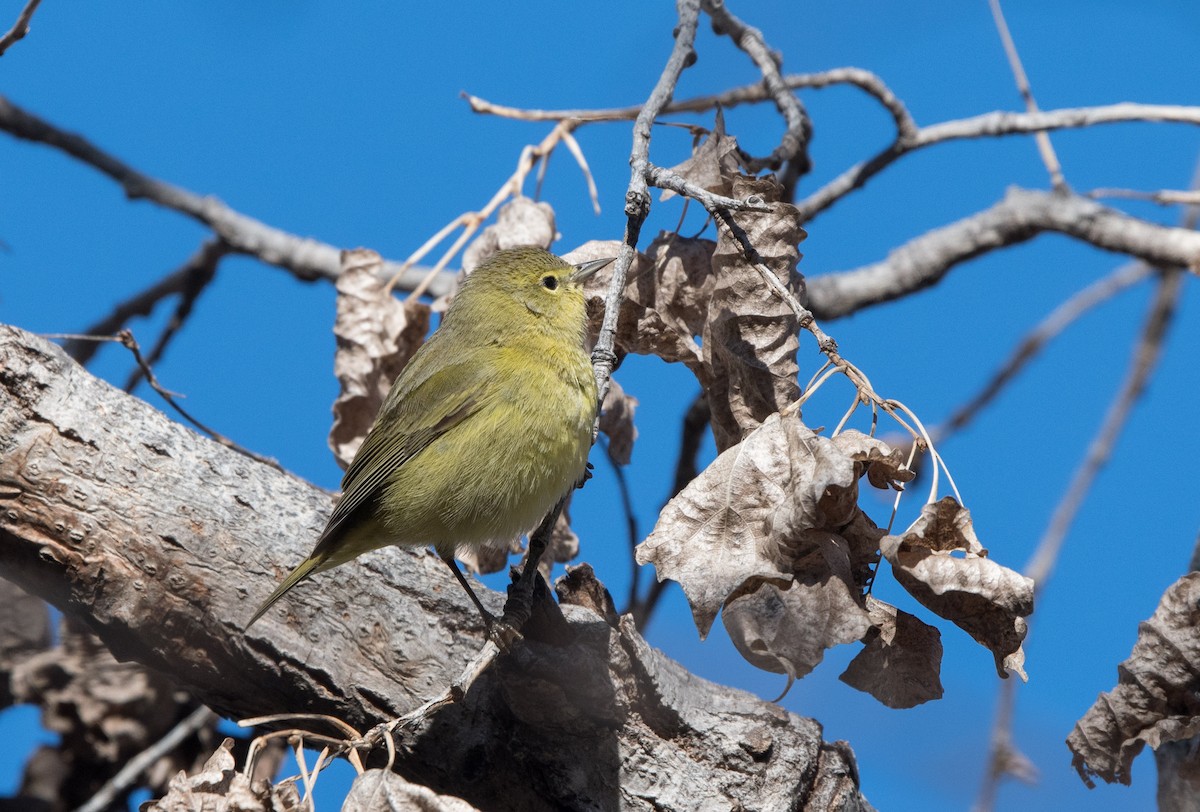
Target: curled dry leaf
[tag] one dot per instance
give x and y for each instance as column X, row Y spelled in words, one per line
column 787, row 629
column 219, row 787
column 741, row 521
column 666, row 297
column 1155, row 700
column 750, row 337
column 981, row 597
column 376, row 336
column 520, row 222
column 616, row 421
column 581, row 587
column 884, row 466
column 712, row 163
column 901, row 663
column 387, row 791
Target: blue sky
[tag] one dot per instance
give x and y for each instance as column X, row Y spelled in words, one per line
column 343, row 122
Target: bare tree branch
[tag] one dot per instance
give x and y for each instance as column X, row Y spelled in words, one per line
column 989, row 125
column 792, row 152
column 166, row 550
column 637, row 198
column 20, row 28
column 306, row 258
column 746, row 94
column 1020, row 216
column 1036, row 340
column 1165, row 197
column 1045, row 148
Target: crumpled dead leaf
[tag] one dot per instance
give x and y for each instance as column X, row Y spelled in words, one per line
column 787, row 629
column 884, row 466
column 901, row 662
column 520, row 222
column 1155, row 699
column 220, row 787
column 376, row 336
column 751, row 336
column 712, row 163
column 666, row 297
column 616, row 421
column 580, row 587
column 387, row 791
column 737, row 523
column 988, row 601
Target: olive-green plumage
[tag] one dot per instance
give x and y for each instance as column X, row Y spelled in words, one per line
column 485, row 429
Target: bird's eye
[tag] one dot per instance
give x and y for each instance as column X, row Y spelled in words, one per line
column 550, row 282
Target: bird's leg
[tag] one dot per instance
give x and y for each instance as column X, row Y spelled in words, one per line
column 489, row 620
column 519, row 606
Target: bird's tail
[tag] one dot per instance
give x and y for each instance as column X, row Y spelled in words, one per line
column 307, row 567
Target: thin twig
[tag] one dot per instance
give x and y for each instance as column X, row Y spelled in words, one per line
column 198, row 719
column 144, row 302
column 1004, row 757
column 202, row 273
column 125, row 339
column 631, row 523
column 988, row 125
column 746, row 94
column 1164, row 197
column 637, row 198
column 1045, row 148
column 793, row 147
column 1125, row 277
column 1145, row 360
column 20, row 27
column 695, row 422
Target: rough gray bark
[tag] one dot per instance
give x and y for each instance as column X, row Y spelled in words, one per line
column 163, row 542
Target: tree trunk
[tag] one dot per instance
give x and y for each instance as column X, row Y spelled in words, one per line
column 164, row 542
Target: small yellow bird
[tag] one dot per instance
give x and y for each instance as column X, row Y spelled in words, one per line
column 486, row 428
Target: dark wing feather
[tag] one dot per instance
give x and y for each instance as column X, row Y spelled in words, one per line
column 423, row 406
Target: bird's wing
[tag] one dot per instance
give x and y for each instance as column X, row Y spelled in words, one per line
column 422, row 407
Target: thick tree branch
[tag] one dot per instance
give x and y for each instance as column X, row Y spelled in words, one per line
column 1020, row 216
column 164, row 542
column 306, row 258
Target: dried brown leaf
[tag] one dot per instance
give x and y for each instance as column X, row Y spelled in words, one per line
column 520, row 222
column 981, row 597
column 751, row 336
column 581, row 587
column 376, row 337
column 712, row 163
column 901, row 662
column 1155, row 700
column 219, row 787
column 884, row 466
column 739, row 521
column 387, row 791
column 786, row 630
column 666, row 297
column 616, row 421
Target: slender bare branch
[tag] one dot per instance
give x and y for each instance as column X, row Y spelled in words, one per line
column 20, row 28
column 1164, row 197
column 196, row 720
column 1036, row 340
column 637, row 198
column 746, row 94
column 1020, row 216
column 305, row 258
column 792, row 152
column 989, row 125
column 1045, row 148
column 203, row 262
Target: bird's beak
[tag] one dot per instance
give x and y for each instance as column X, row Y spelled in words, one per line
column 585, row 269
